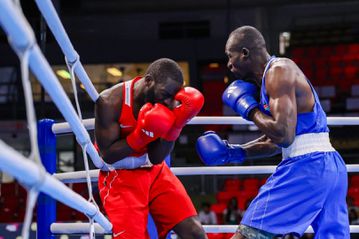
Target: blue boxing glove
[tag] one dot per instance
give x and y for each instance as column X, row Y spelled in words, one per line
column 240, row 96
column 214, row 151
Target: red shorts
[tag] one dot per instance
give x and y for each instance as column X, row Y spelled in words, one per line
column 129, row 195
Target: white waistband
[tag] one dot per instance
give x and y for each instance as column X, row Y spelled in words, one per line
column 133, row 162
column 308, row 143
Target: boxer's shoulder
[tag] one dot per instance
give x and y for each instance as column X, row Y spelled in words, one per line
column 109, row 102
column 111, row 97
column 281, row 75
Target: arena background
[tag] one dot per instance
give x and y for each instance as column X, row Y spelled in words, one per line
column 117, row 39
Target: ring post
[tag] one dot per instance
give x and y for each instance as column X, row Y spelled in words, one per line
column 46, row 209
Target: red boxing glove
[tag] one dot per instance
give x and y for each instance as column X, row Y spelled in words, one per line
column 192, row 101
column 152, row 122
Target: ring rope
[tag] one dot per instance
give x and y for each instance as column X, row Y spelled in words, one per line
column 32, row 190
column 15, row 164
column 20, row 33
column 71, row 66
column 79, row 176
column 89, row 124
column 49, row 13
column 82, row 228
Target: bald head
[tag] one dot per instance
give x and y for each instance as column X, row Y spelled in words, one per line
column 248, row 37
column 247, row 53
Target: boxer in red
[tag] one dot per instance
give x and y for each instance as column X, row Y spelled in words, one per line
column 142, row 118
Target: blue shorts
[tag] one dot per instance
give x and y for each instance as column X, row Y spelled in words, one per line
column 305, row 190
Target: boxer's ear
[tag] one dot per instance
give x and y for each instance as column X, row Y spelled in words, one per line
column 245, row 52
column 149, row 81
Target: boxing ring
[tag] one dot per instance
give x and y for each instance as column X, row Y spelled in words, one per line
column 32, row 175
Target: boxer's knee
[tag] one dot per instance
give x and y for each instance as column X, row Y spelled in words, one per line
column 190, row 228
column 246, row 232
column 198, row 232
column 290, row 236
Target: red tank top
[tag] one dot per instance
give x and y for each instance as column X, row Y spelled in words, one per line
column 127, row 120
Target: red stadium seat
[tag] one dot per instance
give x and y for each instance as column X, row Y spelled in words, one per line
column 320, row 77
column 307, row 69
column 218, row 207
column 298, row 52
column 243, row 202
column 335, row 75
column 10, row 204
column 297, row 60
column 21, row 191
column 353, row 49
column 244, row 197
column 312, row 52
column 325, row 51
column 224, row 197
column 350, row 72
column 354, row 181
column 341, row 49
column 63, row 212
column 353, row 192
column 262, row 181
column 80, row 188
column 232, row 185
column 8, row 189
column 251, row 184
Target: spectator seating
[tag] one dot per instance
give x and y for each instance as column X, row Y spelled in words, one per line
column 329, row 64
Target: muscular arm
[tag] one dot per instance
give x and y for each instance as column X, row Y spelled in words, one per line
column 159, row 149
column 107, row 132
column 280, row 127
column 260, row 148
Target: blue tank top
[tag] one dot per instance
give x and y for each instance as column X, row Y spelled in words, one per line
column 308, row 122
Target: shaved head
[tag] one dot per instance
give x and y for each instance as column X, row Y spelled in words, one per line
column 163, row 79
column 248, row 37
column 165, row 69
column 247, row 53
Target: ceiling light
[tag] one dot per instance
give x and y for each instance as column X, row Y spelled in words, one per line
column 63, row 74
column 114, row 71
column 213, row 65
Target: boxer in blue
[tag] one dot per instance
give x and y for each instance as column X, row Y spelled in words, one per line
column 309, row 186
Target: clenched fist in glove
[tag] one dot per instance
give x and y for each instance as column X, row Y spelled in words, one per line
column 153, row 121
column 214, row 151
column 240, row 96
column 191, row 103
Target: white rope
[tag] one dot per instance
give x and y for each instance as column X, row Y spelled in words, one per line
column 79, row 176
column 20, row 33
column 63, row 128
column 53, row 21
column 34, row 150
column 89, row 188
column 32, row 190
column 32, row 195
column 82, row 228
column 15, row 164
column 71, row 66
